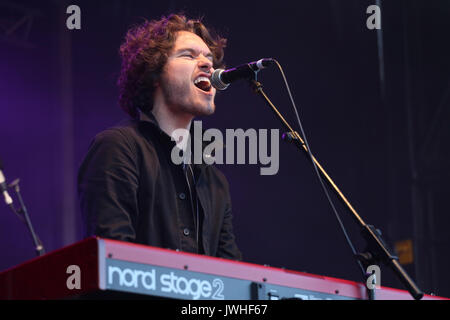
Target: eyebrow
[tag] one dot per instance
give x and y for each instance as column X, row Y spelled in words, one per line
column 195, row 52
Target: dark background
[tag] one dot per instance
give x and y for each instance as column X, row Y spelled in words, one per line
column 374, row 104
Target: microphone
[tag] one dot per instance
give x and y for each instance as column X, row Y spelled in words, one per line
column 221, row 79
column 3, row 187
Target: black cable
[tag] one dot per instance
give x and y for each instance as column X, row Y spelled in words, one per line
column 194, row 210
column 316, row 169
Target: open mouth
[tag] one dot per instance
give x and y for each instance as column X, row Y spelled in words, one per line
column 203, row 84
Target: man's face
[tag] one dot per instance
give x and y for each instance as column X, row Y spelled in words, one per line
column 184, row 82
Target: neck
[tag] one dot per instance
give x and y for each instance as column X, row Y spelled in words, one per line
column 169, row 122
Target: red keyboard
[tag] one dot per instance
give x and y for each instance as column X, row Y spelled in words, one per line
column 101, row 268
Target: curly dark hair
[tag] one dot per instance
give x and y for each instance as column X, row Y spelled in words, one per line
column 144, row 54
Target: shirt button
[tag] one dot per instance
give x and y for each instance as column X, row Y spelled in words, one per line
column 182, row 196
column 186, row 231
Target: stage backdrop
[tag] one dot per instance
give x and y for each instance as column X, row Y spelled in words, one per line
column 374, row 104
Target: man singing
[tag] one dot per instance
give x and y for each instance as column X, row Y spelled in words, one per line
column 128, row 185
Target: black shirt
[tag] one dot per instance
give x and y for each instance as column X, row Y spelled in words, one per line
column 130, row 190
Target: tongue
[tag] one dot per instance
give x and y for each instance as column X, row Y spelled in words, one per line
column 203, row 85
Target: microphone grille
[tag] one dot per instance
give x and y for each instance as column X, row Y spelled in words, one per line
column 216, row 82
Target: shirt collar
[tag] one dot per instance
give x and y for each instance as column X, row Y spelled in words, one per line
column 150, row 119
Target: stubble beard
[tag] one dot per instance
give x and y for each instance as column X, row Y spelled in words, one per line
column 179, row 98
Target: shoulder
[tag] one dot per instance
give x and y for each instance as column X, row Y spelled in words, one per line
column 125, row 131
column 118, row 143
column 127, row 134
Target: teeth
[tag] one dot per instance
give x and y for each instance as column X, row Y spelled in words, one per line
column 200, row 79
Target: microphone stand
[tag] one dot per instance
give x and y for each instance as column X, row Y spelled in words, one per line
column 39, row 248
column 377, row 249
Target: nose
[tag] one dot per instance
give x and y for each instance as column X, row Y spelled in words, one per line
column 205, row 64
